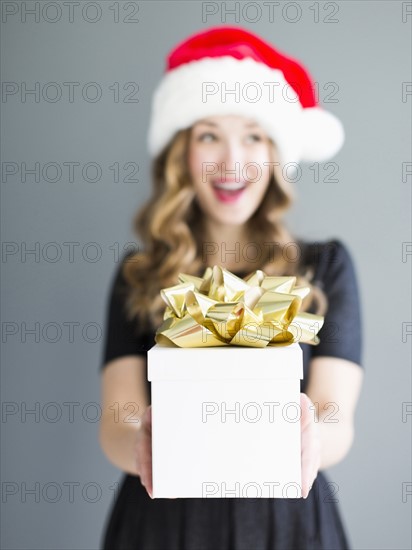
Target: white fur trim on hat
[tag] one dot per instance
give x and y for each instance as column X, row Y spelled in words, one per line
column 199, row 89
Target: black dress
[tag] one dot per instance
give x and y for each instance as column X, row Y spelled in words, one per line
column 137, row 522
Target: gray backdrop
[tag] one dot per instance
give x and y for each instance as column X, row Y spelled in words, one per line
column 87, row 65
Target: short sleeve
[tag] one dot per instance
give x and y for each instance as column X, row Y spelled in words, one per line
column 121, row 335
column 341, row 333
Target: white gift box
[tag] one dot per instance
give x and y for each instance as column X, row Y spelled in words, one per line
column 226, row 421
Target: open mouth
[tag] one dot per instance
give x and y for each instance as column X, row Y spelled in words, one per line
column 228, row 191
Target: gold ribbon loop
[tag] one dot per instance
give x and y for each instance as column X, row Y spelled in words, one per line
column 221, row 309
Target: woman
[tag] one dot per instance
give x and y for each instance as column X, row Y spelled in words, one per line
column 221, row 161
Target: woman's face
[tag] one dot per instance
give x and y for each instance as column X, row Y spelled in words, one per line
column 229, row 164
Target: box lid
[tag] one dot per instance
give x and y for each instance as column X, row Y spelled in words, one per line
column 224, row 362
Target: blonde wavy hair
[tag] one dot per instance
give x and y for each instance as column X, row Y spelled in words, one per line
column 170, row 227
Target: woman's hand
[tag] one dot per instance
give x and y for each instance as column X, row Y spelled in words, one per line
column 310, row 441
column 143, row 450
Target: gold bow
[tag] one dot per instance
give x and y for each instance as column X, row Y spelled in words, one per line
column 221, row 309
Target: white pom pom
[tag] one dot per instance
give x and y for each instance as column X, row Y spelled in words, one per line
column 322, row 135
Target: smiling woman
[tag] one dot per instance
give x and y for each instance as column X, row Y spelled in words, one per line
column 218, row 186
column 218, row 147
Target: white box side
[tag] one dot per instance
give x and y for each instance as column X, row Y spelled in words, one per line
column 215, row 455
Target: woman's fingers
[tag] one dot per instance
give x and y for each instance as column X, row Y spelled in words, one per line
column 148, row 412
column 310, row 441
column 143, row 450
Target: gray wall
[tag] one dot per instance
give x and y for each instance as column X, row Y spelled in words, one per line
column 365, row 52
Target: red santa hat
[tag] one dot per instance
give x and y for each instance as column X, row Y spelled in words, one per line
column 229, row 70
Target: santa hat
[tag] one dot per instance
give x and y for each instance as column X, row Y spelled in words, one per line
column 229, row 70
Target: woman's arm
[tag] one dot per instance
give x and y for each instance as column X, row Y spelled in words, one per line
column 124, row 400
column 334, row 386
